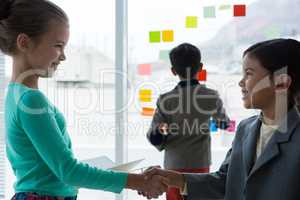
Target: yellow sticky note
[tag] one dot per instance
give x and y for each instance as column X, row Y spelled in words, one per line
column 168, row 36
column 145, row 95
column 191, row 22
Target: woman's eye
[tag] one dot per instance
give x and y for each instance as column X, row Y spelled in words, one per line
column 59, row 46
column 248, row 74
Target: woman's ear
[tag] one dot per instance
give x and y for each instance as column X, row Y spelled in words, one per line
column 173, row 71
column 282, row 82
column 23, row 42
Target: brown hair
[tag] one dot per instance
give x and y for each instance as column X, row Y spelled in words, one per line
column 31, row 17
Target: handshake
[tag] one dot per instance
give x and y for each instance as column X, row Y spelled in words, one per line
column 155, row 181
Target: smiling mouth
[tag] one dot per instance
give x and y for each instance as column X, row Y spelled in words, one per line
column 244, row 94
column 54, row 65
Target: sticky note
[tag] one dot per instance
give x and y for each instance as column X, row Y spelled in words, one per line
column 209, row 12
column 164, row 55
column 202, row 75
column 272, row 32
column 213, row 126
column 224, row 7
column 231, row 127
column 222, row 125
column 145, row 95
column 191, row 22
column 144, row 69
column 145, row 92
column 148, row 111
column 154, row 36
column 239, row 10
column 168, row 36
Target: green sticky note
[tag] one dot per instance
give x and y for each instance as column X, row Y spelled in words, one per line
column 272, row 32
column 209, row 12
column 191, row 22
column 224, row 7
column 164, row 55
column 154, row 36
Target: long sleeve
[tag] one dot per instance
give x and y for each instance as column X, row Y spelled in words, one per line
column 220, row 116
column 154, row 136
column 37, row 118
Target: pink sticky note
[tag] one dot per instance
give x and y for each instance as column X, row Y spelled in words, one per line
column 144, row 69
column 231, row 127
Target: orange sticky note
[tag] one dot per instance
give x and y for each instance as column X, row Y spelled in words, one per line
column 144, row 69
column 148, row 111
column 168, row 36
column 145, row 95
column 202, row 75
column 239, row 10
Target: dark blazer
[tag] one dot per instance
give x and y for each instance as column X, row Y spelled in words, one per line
column 187, row 110
column 275, row 175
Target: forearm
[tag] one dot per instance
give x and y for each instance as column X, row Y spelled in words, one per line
column 207, row 186
column 135, row 181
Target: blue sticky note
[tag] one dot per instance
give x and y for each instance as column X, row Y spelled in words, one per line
column 213, row 126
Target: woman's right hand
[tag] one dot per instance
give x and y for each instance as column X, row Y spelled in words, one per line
column 151, row 187
column 172, row 178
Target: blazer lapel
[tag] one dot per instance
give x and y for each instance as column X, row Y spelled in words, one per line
column 249, row 144
column 282, row 135
column 270, row 152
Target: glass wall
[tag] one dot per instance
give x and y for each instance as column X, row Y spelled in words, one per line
column 222, row 30
column 84, row 86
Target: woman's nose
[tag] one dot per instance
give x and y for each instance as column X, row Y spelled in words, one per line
column 62, row 56
column 242, row 82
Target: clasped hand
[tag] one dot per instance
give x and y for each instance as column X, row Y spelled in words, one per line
column 158, row 181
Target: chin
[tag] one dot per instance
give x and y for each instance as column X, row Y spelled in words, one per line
column 247, row 105
column 48, row 75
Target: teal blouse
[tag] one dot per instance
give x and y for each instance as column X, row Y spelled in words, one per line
column 40, row 152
